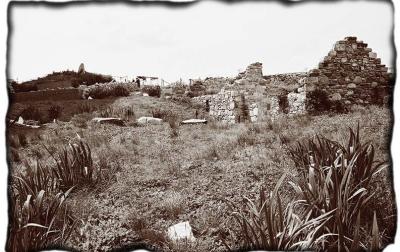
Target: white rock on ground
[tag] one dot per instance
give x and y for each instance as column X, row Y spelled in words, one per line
column 181, row 231
column 194, row 121
column 145, row 94
column 149, row 120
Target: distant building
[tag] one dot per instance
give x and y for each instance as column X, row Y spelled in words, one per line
column 152, row 81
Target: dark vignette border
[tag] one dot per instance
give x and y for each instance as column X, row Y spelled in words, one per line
column 181, row 5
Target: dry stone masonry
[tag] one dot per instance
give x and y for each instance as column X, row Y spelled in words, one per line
column 350, row 74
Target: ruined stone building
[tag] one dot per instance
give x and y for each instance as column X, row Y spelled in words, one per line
column 350, row 74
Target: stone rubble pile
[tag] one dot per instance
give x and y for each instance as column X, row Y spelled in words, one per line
column 252, row 76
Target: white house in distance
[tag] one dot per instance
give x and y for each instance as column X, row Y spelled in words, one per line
column 152, row 81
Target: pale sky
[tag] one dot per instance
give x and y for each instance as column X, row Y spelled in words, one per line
column 209, row 38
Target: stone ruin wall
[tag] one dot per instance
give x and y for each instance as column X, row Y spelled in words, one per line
column 352, row 74
column 222, row 106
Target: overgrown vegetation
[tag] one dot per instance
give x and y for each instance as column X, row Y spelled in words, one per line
column 54, row 112
column 40, row 217
column 33, row 113
column 102, row 91
column 89, row 79
column 154, row 91
column 329, row 212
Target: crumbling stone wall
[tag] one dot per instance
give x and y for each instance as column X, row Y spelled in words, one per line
column 297, row 102
column 352, row 73
column 222, row 106
column 252, row 77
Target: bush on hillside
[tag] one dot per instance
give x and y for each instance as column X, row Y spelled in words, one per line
column 24, row 87
column 154, row 91
column 89, row 79
column 101, row 91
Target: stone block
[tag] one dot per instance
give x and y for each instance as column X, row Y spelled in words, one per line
column 351, row 85
column 372, row 55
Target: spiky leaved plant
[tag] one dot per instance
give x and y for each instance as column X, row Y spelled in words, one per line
column 336, row 178
column 267, row 224
column 74, row 166
column 38, row 215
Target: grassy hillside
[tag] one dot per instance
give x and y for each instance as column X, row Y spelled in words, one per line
column 158, row 175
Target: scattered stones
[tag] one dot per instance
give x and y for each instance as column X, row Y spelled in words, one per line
column 181, row 231
column 149, row 120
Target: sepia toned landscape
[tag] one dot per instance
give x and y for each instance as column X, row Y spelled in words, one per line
column 290, row 161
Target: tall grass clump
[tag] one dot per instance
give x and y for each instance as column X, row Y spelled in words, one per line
column 267, row 224
column 39, row 217
column 330, row 210
column 74, row 166
column 337, row 178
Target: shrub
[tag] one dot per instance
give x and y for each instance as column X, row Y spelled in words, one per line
column 32, row 113
column 337, row 178
column 24, row 87
column 89, row 79
column 81, row 120
column 38, row 215
column 101, row 91
column 267, row 225
column 54, row 112
column 74, row 166
column 154, row 91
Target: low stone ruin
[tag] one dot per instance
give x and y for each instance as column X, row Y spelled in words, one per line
column 350, row 74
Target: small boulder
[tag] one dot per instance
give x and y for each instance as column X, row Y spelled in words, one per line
column 351, row 85
column 20, row 120
column 357, row 80
column 149, row 120
column 110, row 120
column 336, row 97
column 181, row 231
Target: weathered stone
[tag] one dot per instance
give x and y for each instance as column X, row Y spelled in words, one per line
column 109, row 120
column 81, row 69
column 351, row 85
column 181, row 232
column 372, row 55
column 357, row 80
column 336, row 97
column 194, row 121
column 149, row 120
